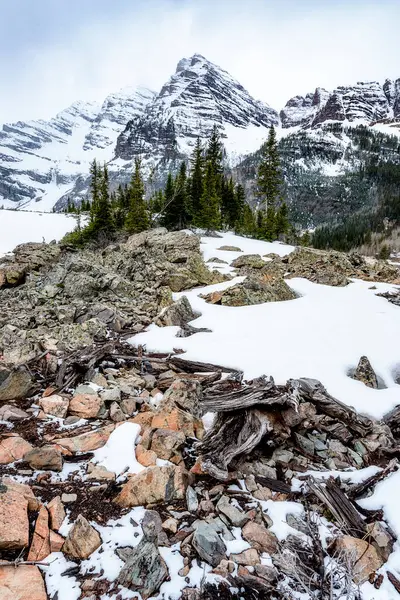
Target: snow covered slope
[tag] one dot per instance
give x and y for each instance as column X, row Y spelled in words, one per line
column 321, row 334
column 41, row 160
column 19, row 226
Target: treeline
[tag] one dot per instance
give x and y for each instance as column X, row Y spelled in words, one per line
column 356, row 230
column 202, row 195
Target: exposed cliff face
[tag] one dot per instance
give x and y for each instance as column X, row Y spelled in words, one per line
column 369, row 102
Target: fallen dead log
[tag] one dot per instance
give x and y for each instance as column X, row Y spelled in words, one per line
column 360, row 489
column 394, row 581
column 313, row 391
column 191, row 366
column 274, row 484
column 245, row 397
column 342, row 509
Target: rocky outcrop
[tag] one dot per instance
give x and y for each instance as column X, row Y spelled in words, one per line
column 365, row 373
column 253, row 290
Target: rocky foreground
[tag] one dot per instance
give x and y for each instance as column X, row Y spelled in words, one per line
column 125, row 471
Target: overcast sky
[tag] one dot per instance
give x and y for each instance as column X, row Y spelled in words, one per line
column 53, row 52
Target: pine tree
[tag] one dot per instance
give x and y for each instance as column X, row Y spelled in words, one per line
column 269, row 181
column 176, row 213
column 137, row 219
column 240, row 203
column 228, row 203
column 103, row 218
column 248, row 226
column 94, row 188
column 214, row 157
column 197, row 176
column 209, row 216
column 282, row 221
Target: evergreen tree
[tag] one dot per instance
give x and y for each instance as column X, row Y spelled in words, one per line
column 249, row 225
column 214, row 153
column 103, row 218
column 94, row 188
column 282, row 221
column 228, row 203
column 269, row 181
column 240, row 203
column 196, row 181
column 138, row 217
column 209, row 216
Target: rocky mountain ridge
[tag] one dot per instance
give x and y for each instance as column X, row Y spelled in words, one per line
column 43, row 163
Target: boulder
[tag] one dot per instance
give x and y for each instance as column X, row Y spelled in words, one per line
column 46, row 458
column 152, row 519
column 365, row 373
column 14, row 384
column 155, row 484
column 178, row 420
column 144, row 570
column 363, row 557
column 208, row 544
column 184, row 394
column 248, row 262
column 23, row 583
column 55, row 405
column 165, row 443
column 147, row 458
column 86, row 406
column 85, row 442
column 116, row 413
column 11, row 413
column 82, row 540
column 235, row 516
column 40, row 546
column 260, row 538
column 253, row 290
column 24, row 490
column 178, row 314
column 230, row 249
column 56, row 542
column 249, row 557
column 14, row 524
column 99, row 473
column 13, row 448
column 56, row 513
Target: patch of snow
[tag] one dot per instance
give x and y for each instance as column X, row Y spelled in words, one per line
column 118, row 454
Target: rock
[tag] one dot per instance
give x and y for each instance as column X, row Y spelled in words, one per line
column 230, row 249
column 99, row 473
column 82, row 540
column 68, row 498
column 381, row 539
column 305, row 444
column 111, row 395
column 85, row 442
column 86, row 406
column 166, row 443
column 11, row 413
column 184, row 394
column 179, row 314
column 99, row 379
column 217, row 260
column 40, row 546
column 236, row 516
column 14, row 384
column 260, row 538
column 13, row 448
column 170, row 525
column 365, row 373
column 56, row 512
column 24, row 490
column 208, row 544
column 128, row 406
column 155, row 484
column 192, row 501
column 55, row 405
column 268, row 573
column 249, row 262
column 249, row 557
column 46, row 458
column 152, row 519
column 23, row 583
column 224, row 568
column 116, row 413
column 254, row 290
column 147, row 458
column 178, row 420
column 363, row 557
column 56, row 542
column 14, row 524
column 144, row 570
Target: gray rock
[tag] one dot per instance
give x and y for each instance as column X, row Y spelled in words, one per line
column 178, row 313
column 365, row 373
column 144, row 570
column 8, row 412
column 14, row 384
column 208, row 544
column 68, row 498
column 111, row 395
column 47, row 458
column 192, row 501
column 304, row 443
column 116, row 413
column 235, row 516
column 153, row 519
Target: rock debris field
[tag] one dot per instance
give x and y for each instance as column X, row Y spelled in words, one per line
column 198, row 418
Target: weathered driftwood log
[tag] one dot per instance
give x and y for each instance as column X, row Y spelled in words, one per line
column 191, row 366
column 360, row 489
column 344, row 511
column 392, row 419
column 313, row 391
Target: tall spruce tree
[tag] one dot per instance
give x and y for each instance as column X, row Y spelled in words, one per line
column 282, row 221
column 210, row 215
column 269, row 181
column 103, row 219
column 94, row 188
column 214, row 157
column 240, row 203
column 197, row 178
column 137, row 219
column 175, row 212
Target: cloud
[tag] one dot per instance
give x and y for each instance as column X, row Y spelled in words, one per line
column 275, row 49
